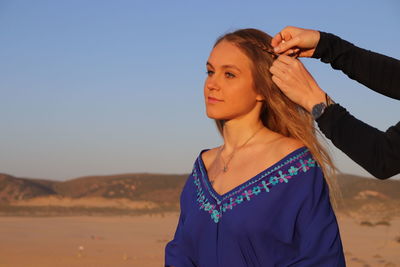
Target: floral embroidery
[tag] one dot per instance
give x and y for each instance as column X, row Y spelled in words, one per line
column 251, row 188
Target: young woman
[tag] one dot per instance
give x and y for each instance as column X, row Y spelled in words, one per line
column 261, row 198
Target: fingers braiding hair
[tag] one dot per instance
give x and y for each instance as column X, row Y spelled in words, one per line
column 264, row 47
column 269, row 49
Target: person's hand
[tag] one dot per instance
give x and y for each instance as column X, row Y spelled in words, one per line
column 293, row 40
column 294, row 80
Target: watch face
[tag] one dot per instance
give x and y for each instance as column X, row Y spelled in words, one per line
column 317, row 110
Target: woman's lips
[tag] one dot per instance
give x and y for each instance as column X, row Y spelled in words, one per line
column 213, row 100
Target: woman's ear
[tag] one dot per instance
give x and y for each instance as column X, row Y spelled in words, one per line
column 260, row 98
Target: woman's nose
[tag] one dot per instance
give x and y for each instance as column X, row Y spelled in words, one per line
column 212, row 83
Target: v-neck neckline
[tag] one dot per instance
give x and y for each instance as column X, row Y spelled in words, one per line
column 221, row 197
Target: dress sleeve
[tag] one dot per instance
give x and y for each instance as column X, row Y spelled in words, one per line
column 317, row 228
column 175, row 254
column 173, row 251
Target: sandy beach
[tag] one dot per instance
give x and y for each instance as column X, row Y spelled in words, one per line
column 140, row 240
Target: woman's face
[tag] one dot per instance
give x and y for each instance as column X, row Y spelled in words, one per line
column 229, row 79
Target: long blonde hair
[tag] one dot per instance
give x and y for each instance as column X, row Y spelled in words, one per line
column 278, row 112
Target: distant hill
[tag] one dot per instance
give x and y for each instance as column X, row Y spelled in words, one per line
column 140, row 186
column 13, row 188
column 358, row 193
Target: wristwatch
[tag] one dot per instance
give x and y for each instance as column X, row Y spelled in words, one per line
column 319, row 109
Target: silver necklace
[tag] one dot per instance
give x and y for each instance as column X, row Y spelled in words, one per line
column 225, row 169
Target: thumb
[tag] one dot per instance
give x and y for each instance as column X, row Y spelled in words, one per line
column 284, row 46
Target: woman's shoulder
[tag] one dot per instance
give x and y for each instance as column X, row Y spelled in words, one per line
column 208, row 155
column 281, row 148
column 287, row 145
column 295, row 159
column 301, row 163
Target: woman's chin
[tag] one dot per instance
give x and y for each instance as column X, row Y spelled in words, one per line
column 215, row 116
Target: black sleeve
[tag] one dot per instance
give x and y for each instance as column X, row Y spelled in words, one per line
column 378, row 72
column 376, row 151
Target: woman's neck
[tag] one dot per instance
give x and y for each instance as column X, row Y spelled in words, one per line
column 236, row 133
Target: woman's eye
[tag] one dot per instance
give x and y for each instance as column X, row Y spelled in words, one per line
column 209, row 72
column 229, row 75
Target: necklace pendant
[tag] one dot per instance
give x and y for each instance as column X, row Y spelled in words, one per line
column 225, row 168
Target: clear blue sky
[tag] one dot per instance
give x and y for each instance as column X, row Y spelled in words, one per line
column 107, row 87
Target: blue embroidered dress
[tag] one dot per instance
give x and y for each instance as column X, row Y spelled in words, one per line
column 280, row 217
